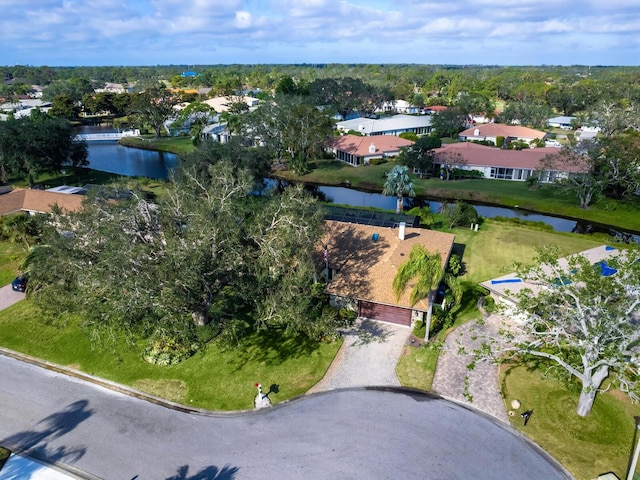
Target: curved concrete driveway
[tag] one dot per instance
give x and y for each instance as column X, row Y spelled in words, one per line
column 367, row 357
column 8, row 297
column 362, row 433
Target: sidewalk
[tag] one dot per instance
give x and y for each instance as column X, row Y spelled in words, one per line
column 483, row 391
column 368, row 357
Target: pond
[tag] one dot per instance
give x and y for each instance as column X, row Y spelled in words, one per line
column 110, row 156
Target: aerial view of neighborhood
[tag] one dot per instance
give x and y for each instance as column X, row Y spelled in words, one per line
column 319, row 240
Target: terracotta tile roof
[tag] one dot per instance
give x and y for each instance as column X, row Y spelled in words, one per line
column 359, row 146
column 366, row 268
column 484, row 156
column 436, row 108
column 502, row 130
column 41, row 201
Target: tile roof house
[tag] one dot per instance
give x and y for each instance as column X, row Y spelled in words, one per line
column 499, row 163
column 394, row 125
column 356, row 150
column 490, row 131
column 363, row 260
column 37, row 201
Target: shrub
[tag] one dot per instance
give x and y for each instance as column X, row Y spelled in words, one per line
column 377, row 161
column 409, row 136
column 499, row 141
column 455, row 264
column 489, row 304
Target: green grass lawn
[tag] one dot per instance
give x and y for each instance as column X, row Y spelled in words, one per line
column 216, row 378
column 587, row 447
column 177, row 145
column 11, row 255
column 493, row 249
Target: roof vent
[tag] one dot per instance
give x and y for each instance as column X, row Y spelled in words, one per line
column 476, row 132
column 401, row 230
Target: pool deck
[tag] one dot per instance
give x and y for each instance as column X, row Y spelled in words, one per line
column 508, row 286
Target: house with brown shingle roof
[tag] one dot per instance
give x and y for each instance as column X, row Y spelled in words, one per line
column 38, row 201
column 499, row 163
column 363, row 261
column 491, row 131
column 356, row 150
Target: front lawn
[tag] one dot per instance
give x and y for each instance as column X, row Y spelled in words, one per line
column 587, row 447
column 11, row 255
column 216, row 378
column 177, row 145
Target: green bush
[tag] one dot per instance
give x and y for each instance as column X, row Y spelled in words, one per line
column 377, row 161
column 455, row 264
column 499, row 141
column 489, row 304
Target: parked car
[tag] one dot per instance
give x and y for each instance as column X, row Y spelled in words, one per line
column 19, row 283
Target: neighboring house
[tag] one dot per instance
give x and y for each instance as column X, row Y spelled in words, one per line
column 587, row 133
column 491, row 131
column 399, row 106
column 112, row 88
column 394, row 125
column 24, row 107
column 356, row 150
column 363, row 261
column 218, row 132
column 221, row 104
column 562, row 122
column 505, row 289
column 38, row 201
column 434, row 109
column 499, row 163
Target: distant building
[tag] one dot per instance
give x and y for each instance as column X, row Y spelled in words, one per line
column 394, row 125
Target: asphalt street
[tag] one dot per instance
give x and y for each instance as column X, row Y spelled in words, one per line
column 354, row 433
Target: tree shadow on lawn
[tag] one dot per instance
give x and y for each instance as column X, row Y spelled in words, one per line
column 273, row 347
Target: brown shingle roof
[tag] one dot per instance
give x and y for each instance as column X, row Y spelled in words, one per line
column 365, row 269
column 359, row 146
column 483, row 156
column 37, row 201
column 502, row 130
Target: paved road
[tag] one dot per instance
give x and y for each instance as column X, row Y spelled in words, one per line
column 359, row 433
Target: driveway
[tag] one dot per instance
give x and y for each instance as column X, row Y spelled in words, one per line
column 8, row 297
column 477, row 387
column 368, row 357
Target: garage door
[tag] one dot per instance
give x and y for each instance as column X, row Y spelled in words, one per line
column 385, row 313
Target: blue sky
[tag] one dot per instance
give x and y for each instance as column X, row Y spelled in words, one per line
column 150, row 32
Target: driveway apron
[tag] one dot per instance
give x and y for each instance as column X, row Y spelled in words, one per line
column 8, row 297
column 368, row 356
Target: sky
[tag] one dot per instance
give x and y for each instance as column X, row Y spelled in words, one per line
column 205, row 32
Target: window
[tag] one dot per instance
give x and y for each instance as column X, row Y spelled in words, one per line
column 502, row 173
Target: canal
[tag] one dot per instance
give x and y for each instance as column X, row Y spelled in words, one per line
column 109, row 156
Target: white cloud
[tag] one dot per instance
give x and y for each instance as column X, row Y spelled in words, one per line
column 253, row 30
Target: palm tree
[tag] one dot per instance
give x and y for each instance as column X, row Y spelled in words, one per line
column 398, row 183
column 428, row 272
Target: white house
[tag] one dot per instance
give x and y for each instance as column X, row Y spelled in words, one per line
column 562, row 122
column 394, row 125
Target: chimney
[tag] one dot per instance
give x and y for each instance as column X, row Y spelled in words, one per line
column 401, row 230
column 372, row 148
